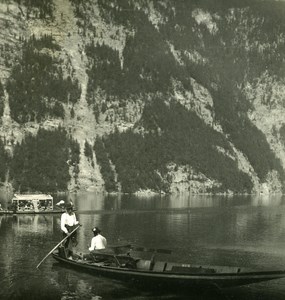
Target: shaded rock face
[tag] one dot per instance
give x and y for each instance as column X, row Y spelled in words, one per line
column 179, row 96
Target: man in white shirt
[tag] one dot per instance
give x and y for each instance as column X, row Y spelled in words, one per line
column 98, row 242
column 67, row 223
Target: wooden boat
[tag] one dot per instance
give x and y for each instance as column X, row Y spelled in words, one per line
column 32, row 204
column 167, row 274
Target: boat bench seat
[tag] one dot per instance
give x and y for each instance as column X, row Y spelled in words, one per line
column 149, row 265
column 159, row 266
column 170, row 265
column 143, row 264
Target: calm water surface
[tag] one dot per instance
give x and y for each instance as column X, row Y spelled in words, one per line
column 235, row 231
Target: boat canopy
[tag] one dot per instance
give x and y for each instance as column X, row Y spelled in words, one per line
column 32, row 202
column 19, row 197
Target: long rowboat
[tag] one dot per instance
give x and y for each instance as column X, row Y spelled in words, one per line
column 171, row 275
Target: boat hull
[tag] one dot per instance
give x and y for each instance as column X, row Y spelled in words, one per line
column 173, row 280
column 10, row 212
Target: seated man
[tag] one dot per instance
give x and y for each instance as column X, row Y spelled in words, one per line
column 98, row 243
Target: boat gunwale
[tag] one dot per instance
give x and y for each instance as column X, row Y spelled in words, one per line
column 171, row 275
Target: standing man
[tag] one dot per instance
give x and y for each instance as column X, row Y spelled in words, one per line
column 68, row 222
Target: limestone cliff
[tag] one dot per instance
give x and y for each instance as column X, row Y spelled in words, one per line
column 138, row 69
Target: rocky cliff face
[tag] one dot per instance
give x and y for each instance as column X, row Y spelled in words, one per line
column 218, row 67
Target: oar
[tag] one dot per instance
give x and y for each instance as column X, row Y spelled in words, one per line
column 51, row 251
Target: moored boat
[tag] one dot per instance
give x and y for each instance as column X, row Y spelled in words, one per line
column 32, row 204
column 168, row 274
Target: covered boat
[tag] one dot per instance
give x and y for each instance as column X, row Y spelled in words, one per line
column 32, row 203
column 164, row 273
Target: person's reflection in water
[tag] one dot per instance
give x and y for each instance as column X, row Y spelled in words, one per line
column 67, row 285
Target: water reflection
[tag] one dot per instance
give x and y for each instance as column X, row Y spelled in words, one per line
column 5, row 196
column 267, row 200
column 115, row 203
column 97, row 202
column 88, row 201
column 41, row 224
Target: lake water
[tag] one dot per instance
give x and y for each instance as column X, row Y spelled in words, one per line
column 234, row 231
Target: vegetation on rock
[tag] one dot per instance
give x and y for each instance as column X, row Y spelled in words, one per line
column 41, row 9
column 4, row 159
column 1, row 99
column 105, row 166
column 184, row 139
column 37, row 87
column 42, row 162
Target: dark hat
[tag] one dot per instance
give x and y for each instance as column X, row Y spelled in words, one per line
column 96, row 230
column 68, row 206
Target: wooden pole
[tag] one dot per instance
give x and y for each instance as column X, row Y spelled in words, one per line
column 51, row 251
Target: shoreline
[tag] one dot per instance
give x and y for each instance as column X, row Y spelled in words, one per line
column 4, row 189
